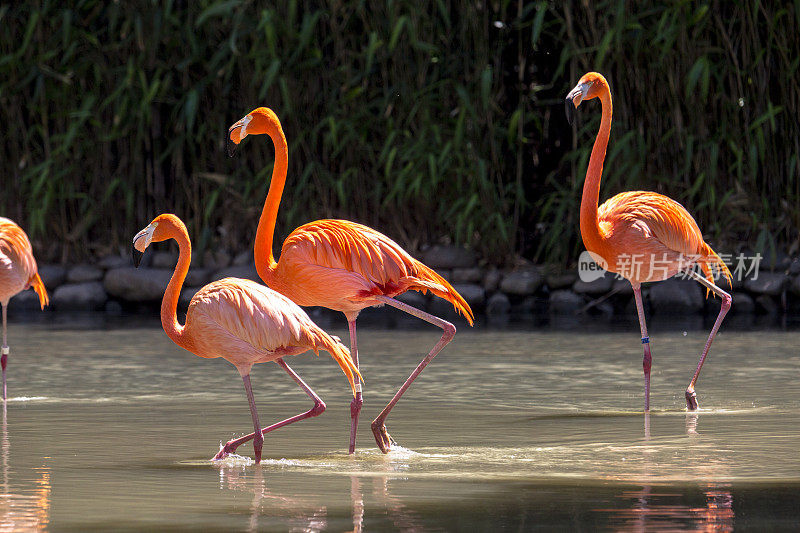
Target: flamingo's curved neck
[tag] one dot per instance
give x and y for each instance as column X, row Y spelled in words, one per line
column 169, row 305
column 265, row 261
column 590, row 230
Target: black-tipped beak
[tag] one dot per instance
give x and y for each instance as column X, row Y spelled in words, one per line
column 230, row 145
column 569, row 109
column 574, row 99
column 137, row 256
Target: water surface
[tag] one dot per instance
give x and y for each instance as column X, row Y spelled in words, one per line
column 110, row 426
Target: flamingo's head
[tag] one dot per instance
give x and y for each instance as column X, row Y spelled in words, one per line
column 160, row 229
column 589, row 86
column 258, row 121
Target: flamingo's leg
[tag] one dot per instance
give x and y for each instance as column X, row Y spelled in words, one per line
column 647, row 359
column 358, row 401
column 319, row 407
column 258, row 442
column 691, row 395
column 382, row 437
column 5, row 351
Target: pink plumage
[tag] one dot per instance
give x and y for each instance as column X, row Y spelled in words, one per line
column 242, row 322
column 341, row 265
column 18, row 272
column 18, row 269
column 642, row 236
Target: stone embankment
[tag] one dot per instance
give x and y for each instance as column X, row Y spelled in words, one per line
column 113, row 285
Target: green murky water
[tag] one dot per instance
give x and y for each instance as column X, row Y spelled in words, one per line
column 110, row 426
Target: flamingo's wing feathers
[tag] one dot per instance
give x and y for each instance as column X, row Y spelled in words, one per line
column 664, row 219
column 363, row 262
column 343, row 245
column 660, row 216
column 244, row 309
column 15, row 249
column 15, row 245
column 264, row 319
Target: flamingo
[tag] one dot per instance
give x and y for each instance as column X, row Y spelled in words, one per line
column 17, row 272
column 642, row 236
column 241, row 321
column 343, row 266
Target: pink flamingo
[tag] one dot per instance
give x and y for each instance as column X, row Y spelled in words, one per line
column 343, row 266
column 643, row 236
column 241, row 321
column 17, row 272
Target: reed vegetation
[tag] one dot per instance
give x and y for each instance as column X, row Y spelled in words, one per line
column 430, row 120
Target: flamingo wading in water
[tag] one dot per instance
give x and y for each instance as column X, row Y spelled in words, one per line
column 640, row 235
column 341, row 265
column 17, row 272
column 241, row 321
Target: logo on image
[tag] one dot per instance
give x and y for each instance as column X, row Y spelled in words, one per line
column 591, row 266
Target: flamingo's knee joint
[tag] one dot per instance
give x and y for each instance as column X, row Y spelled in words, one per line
column 318, row 409
column 727, row 300
column 449, row 331
column 258, row 444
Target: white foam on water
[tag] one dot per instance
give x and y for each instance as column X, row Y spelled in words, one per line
column 300, row 463
column 233, row 460
column 163, row 398
column 28, row 398
column 399, row 452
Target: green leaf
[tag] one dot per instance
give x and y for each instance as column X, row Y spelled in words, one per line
column 513, row 125
column 396, row 31
column 538, row 21
column 216, row 9
column 190, row 108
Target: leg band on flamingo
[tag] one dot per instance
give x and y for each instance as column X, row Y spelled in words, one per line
column 358, row 401
column 647, row 360
column 3, row 363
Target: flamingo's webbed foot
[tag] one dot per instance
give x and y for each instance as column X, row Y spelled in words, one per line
column 382, row 437
column 224, row 451
column 691, row 400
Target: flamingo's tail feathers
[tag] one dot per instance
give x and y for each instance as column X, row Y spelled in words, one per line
column 429, row 280
column 38, row 286
column 341, row 355
column 711, row 263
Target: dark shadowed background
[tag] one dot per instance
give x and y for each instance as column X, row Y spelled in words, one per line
column 432, row 121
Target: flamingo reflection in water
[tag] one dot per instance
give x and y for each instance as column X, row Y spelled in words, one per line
column 294, row 513
column 295, row 510
column 23, row 509
column 652, row 509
